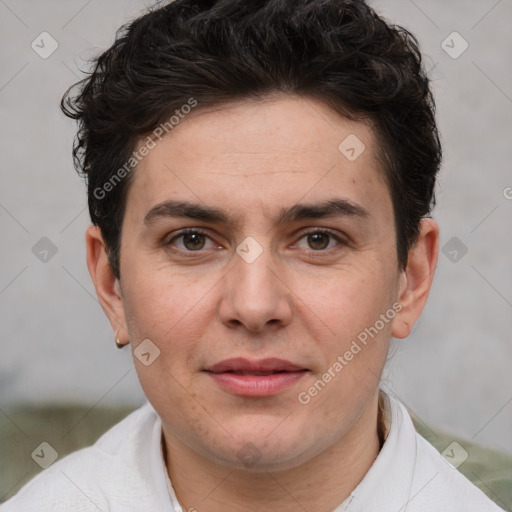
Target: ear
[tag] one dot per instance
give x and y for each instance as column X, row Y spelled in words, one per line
column 416, row 279
column 108, row 287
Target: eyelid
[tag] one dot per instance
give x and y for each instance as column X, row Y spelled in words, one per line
column 186, row 231
column 332, row 233
column 303, row 233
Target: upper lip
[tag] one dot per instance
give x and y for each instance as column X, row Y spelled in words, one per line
column 240, row 364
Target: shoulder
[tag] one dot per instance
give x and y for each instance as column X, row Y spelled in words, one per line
column 89, row 478
column 409, row 474
column 487, row 469
column 437, row 483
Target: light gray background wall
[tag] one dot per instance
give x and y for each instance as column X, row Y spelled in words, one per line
column 56, row 344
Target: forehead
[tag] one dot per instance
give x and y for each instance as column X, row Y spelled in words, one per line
column 253, row 156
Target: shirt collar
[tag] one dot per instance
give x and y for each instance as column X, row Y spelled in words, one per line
column 172, row 495
column 387, row 484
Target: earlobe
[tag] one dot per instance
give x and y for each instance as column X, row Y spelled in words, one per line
column 108, row 287
column 416, row 279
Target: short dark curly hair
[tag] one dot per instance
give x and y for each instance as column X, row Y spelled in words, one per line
column 337, row 51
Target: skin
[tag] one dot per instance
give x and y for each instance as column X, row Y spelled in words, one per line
column 303, row 299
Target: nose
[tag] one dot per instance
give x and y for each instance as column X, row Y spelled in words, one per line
column 255, row 294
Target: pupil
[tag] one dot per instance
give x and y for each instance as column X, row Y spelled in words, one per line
column 194, row 238
column 317, row 237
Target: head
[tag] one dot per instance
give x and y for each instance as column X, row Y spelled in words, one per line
column 296, row 144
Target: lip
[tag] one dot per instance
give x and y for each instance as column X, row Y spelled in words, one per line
column 264, row 377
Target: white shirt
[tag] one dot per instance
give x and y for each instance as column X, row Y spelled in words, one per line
column 124, row 471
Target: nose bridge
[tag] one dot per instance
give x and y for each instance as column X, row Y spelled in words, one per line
column 254, row 294
column 253, row 270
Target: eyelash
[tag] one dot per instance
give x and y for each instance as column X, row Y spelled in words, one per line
column 200, row 231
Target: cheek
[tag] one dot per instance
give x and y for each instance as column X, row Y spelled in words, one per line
column 354, row 346
column 173, row 310
column 160, row 301
column 166, row 309
column 353, row 353
column 348, row 300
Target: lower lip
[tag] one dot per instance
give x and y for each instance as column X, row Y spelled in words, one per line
column 256, row 385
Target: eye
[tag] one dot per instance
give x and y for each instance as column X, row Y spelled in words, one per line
column 320, row 240
column 191, row 240
column 194, row 240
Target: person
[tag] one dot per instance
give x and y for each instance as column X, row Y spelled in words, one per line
column 260, row 182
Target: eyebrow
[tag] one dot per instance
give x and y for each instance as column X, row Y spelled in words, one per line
column 335, row 207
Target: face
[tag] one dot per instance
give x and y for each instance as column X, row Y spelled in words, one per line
column 259, row 260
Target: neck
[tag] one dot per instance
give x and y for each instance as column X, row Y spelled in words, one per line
column 321, row 484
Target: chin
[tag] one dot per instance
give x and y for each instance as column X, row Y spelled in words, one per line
column 269, row 450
